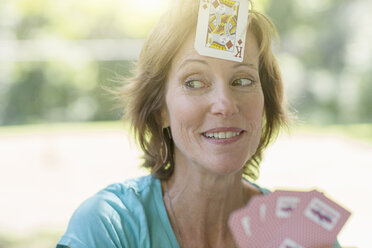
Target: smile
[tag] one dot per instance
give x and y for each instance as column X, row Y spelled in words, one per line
column 221, row 135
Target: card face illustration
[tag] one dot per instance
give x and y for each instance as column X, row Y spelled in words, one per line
column 222, row 28
column 222, row 25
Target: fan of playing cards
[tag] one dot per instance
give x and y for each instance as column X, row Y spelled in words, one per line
column 288, row 219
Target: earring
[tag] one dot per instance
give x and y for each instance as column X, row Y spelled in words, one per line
column 164, row 147
column 169, row 133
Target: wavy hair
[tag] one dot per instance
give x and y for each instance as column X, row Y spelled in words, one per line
column 144, row 93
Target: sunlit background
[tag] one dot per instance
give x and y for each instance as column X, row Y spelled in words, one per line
column 61, row 139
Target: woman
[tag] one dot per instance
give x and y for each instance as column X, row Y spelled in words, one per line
column 203, row 124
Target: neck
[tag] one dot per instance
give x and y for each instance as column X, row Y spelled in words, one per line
column 202, row 203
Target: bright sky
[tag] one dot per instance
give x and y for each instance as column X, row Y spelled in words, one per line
column 144, row 12
column 150, row 5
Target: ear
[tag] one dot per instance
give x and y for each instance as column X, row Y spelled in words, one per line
column 165, row 117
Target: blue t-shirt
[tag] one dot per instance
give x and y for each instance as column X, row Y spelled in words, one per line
column 130, row 214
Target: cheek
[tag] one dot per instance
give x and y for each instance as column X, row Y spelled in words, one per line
column 254, row 112
column 184, row 113
column 253, row 108
column 184, row 123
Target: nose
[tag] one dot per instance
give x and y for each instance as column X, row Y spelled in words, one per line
column 224, row 103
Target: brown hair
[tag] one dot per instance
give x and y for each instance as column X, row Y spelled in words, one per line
column 144, row 93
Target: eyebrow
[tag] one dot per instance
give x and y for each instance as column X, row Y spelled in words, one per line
column 191, row 60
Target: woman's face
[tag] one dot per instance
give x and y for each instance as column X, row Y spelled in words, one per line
column 214, row 108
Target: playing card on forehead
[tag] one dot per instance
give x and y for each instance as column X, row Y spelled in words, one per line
column 222, row 29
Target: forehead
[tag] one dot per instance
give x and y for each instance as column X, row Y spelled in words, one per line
column 187, row 50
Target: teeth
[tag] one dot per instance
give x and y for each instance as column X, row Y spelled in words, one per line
column 230, row 134
column 221, row 135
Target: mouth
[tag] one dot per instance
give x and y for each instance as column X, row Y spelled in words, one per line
column 222, row 135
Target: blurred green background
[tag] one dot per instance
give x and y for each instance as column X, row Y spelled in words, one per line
column 56, row 57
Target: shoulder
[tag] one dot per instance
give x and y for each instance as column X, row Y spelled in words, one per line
column 262, row 190
column 256, row 189
column 126, row 191
column 114, row 217
column 118, row 197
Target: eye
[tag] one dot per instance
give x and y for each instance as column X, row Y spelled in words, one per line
column 194, row 84
column 242, row 82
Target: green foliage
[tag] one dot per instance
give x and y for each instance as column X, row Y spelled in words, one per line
column 318, row 35
column 70, row 19
column 57, row 91
column 365, row 102
column 325, row 57
column 360, row 132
